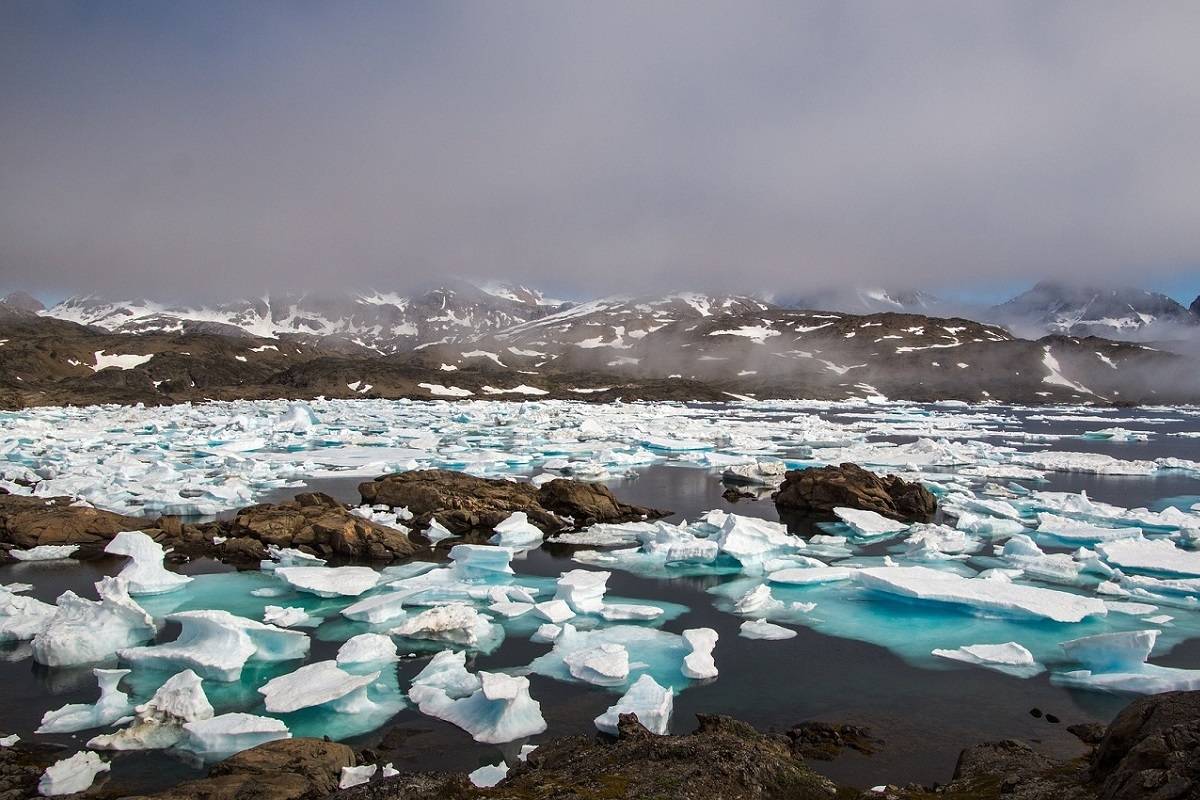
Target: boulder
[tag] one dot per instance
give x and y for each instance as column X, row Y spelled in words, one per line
column 27, row 522
column 819, row 490
column 1152, row 750
column 288, row 769
column 465, row 503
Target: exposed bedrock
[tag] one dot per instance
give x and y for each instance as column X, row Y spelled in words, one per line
column 464, row 503
column 819, row 490
column 27, row 522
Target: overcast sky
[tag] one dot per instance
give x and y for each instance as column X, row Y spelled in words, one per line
column 201, row 147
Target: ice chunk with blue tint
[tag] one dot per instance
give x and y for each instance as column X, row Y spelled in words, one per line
column 1116, row 662
column 330, row 581
column 159, row 721
column 367, row 648
column 699, row 663
column 970, row 522
column 517, row 532
column 217, row 645
column 72, row 775
column 318, row 684
column 112, row 706
column 805, row 576
column 651, row 651
column 44, row 552
column 22, row 618
column 481, row 563
column 446, row 672
column 936, row 586
column 937, row 541
column 500, row 711
column 650, row 702
column 1112, row 652
column 751, row 540
column 225, row 734
column 761, row 629
column 457, row 624
column 1071, row 532
column 85, row 631
column 869, row 524
column 582, row 590
column 1151, row 555
column 758, row 602
column 288, row 617
column 378, row 608
column 1009, row 657
column 146, row 574
column 606, row 664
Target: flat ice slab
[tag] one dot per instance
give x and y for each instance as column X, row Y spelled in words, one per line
column 316, row 684
column 761, row 629
column 330, row 581
column 869, row 524
column 226, row 734
column 1009, row 657
column 1151, row 555
column 45, row 552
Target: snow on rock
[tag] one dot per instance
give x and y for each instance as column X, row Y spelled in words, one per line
column 761, row 629
column 500, row 711
column 85, row 631
column 699, row 663
column 112, row 706
column 330, row 581
column 367, row 648
column 146, row 574
column 1151, row 555
column 319, row 684
column 869, row 524
column 650, row 702
column 217, row 645
column 583, row 590
column 72, row 775
column 159, row 721
column 45, row 552
column 1007, row 657
column 456, row 623
column 923, row 583
column 226, row 734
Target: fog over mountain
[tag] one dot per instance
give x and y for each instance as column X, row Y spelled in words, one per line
column 218, row 149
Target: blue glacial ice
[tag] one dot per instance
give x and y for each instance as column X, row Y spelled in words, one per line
column 499, row 711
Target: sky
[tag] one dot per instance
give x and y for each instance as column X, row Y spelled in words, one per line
column 191, row 149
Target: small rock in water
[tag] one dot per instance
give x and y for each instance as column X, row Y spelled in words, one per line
column 1053, row 720
column 1035, row 713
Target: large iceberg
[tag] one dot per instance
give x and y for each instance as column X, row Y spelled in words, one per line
column 86, row 631
column 217, row 645
column 159, row 721
column 145, row 574
column 112, row 706
column 1116, row 662
column 650, row 702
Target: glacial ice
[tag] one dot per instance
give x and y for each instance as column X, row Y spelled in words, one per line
column 145, row 574
column 500, row 711
column 582, row 590
column 45, row 552
column 22, row 618
column 159, row 721
column 330, row 581
column 317, row 684
column 86, row 631
column 1151, row 555
column 217, row 645
column 72, row 775
column 699, row 663
column 1009, row 657
column 488, row 775
column 356, row 776
column 225, row 734
column 868, row 524
column 650, row 702
column 112, row 706
column 517, row 532
column 367, row 648
column 761, row 629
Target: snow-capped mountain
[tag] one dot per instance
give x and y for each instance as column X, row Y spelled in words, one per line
column 1113, row 313
column 375, row 321
column 864, row 301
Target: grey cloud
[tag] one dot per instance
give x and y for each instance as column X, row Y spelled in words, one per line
column 213, row 147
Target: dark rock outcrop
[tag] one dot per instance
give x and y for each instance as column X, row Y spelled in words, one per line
column 32, row 521
column 464, row 503
column 289, row 769
column 824, row 741
column 724, row 759
column 818, row 490
column 22, row 765
column 1152, row 750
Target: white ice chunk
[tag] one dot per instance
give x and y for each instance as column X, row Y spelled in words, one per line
column 146, row 574
column 500, row 711
column 285, row 617
column 230, row 733
column 761, row 629
column 1075, row 532
column 437, row 532
column 606, row 664
column 751, row 540
column 488, row 775
column 481, row 562
column 72, row 775
column 288, row 557
column 624, row 611
column 1112, row 652
column 517, row 532
column 23, row 618
column 583, row 590
column 447, row 672
column 85, row 631
column 159, row 721
column 318, row 684
column 546, row 633
column 811, row 575
column 868, row 523
column 330, row 581
column 1154, row 555
column 456, row 623
column 112, row 706
column 554, row 611
column 367, row 648
column 44, row 552
column 650, row 702
column 1009, row 657
column 356, row 776
column 699, row 663
column 932, row 585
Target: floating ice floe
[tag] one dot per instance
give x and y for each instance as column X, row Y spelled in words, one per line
column 146, row 573
column 286, row 617
column 1151, row 555
column 869, row 524
column 699, row 663
column 980, row 594
column 44, row 552
column 761, row 629
column 10, row 740
column 330, row 581
column 112, row 706
column 1009, row 657
column 367, row 648
column 606, row 664
column 319, row 684
column 85, row 631
column 447, row 673
column 159, row 721
column 225, row 734
column 456, row 623
column 72, row 775
column 500, row 711
column 582, row 590
column 1116, row 662
column 650, row 702
column 755, row 473
column 22, row 618
column 288, row 557
column 517, row 532
column 1069, row 531
column 656, row 652
column 437, row 532
column 217, row 645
